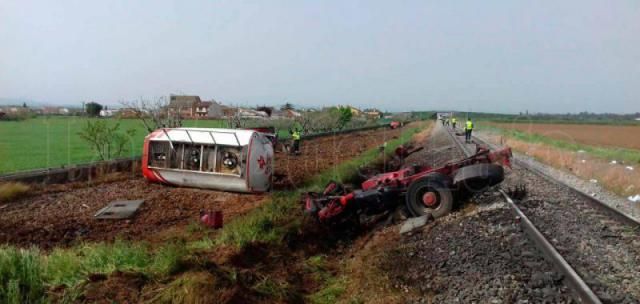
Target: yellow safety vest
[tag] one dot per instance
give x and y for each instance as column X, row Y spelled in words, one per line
column 453, row 120
column 469, row 125
column 295, row 135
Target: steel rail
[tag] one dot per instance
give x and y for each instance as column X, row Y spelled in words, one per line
column 577, row 284
column 580, row 288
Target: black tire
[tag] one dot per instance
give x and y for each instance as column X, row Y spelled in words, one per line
column 477, row 178
column 436, row 185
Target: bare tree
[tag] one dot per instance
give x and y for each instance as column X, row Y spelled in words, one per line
column 236, row 120
column 155, row 114
column 319, row 121
column 105, row 139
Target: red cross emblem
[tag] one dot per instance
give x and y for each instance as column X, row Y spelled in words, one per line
column 261, row 162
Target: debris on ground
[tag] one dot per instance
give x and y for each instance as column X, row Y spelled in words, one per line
column 415, row 223
column 119, row 209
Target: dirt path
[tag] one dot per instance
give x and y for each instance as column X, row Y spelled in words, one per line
column 63, row 215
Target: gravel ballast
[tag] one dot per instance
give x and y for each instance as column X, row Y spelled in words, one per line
column 603, row 250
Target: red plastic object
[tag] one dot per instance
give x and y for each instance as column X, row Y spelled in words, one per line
column 213, row 219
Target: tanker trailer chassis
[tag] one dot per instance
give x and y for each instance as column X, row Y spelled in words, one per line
column 425, row 190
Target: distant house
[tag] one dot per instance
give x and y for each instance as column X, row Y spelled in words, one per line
column 215, row 110
column 108, row 113
column 253, row 114
column 355, row 111
column 202, row 109
column 193, row 107
column 373, row 113
column 228, row 111
column 49, row 110
column 14, row 111
column 126, row 113
column 285, row 114
column 184, row 105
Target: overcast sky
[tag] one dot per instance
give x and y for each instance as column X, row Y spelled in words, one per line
column 501, row 56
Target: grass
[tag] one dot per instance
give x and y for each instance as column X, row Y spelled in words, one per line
column 334, row 288
column 267, row 223
column 628, row 155
column 591, row 164
column 25, row 274
column 608, row 122
column 21, row 277
column 11, row 191
column 52, row 142
column 47, row 142
column 190, row 287
column 272, row 288
column 347, row 170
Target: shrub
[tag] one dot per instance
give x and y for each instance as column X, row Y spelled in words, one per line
column 10, row 191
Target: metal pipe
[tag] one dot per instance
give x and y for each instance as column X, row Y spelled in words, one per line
column 189, row 135
column 168, row 138
column 201, row 155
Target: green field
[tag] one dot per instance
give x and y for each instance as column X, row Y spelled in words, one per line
column 606, row 153
column 49, row 142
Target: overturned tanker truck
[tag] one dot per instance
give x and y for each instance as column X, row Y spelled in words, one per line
column 237, row 160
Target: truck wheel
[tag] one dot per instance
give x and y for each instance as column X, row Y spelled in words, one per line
column 429, row 195
column 477, row 178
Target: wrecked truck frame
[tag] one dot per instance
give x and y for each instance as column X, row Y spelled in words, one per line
column 425, row 190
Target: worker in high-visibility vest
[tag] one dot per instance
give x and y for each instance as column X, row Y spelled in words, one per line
column 467, row 130
column 295, row 135
column 453, row 122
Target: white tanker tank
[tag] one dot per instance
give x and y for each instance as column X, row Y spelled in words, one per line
column 222, row 159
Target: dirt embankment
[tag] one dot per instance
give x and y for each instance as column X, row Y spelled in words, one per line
column 61, row 215
column 322, row 153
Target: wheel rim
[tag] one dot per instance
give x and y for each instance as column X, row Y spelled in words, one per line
column 427, row 198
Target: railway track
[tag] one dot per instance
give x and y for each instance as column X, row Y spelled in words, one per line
column 594, row 246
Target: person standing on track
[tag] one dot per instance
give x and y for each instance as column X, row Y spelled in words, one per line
column 467, row 130
column 453, row 122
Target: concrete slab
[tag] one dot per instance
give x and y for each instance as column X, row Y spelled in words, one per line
column 119, row 209
column 414, row 223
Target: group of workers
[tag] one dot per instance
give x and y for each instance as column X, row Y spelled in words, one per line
column 468, row 127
